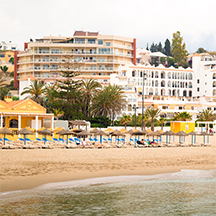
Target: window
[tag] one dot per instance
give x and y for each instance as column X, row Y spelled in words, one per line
column 108, row 43
column 91, row 41
column 2, row 55
column 198, row 81
column 13, row 48
column 55, row 51
column 206, row 83
column 9, row 56
column 105, row 80
column 79, row 40
column 208, row 108
column 198, row 89
column 13, row 123
column 100, row 42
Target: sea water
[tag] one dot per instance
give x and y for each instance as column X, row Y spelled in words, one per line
column 189, row 192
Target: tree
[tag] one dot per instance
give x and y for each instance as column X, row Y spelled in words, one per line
column 3, row 89
column 11, row 60
column 153, row 47
column 152, row 113
column 183, row 116
column 178, row 51
column 206, row 115
column 100, row 121
column 159, row 47
column 58, row 113
column 167, row 48
column 36, row 91
column 109, row 101
column 89, row 89
column 201, row 50
column 4, row 68
column 161, row 122
column 125, row 120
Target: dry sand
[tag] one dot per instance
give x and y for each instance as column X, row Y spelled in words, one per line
column 29, row 168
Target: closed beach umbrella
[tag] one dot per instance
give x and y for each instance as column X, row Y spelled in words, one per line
column 45, row 132
column 5, row 131
column 25, row 132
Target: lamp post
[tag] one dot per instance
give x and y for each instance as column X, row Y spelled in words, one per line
column 143, row 75
column 135, row 108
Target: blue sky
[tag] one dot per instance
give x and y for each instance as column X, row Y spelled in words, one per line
column 147, row 20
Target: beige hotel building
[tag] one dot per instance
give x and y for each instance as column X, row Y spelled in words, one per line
column 96, row 55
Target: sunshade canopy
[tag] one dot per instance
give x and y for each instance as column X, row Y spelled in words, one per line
column 138, row 132
column 181, row 133
column 100, row 132
column 61, row 131
column 25, row 131
column 5, row 131
column 83, row 133
column 45, row 132
column 109, row 130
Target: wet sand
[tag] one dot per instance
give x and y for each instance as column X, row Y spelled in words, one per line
column 29, row 168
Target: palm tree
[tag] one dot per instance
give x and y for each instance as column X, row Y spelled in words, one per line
column 161, row 121
column 36, row 90
column 152, row 113
column 207, row 115
column 89, row 89
column 58, row 113
column 3, row 89
column 109, row 101
column 125, row 120
column 4, row 68
column 183, row 116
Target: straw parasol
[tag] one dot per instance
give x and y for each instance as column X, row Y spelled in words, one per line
column 5, row 131
column 101, row 133
column 76, row 130
column 45, row 132
column 95, row 130
column 205, row 134
column 41, row 128
column 61, row 131
column 117, row 133
column 192, row 133
column 129, row 132
column 181, row 134
column 25, row 132
column 78, row 123
column 67, row 132
column 83, row 133
column 167, row 134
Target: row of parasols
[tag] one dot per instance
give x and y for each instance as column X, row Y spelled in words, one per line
column 111, row 132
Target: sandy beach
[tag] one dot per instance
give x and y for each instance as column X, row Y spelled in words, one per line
column 29, row 168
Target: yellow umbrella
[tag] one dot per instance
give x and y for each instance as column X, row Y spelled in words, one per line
column 149, row 130
column 135, row 130
column 31, row 129
column 123, row 130
column 56, row 129
column 74, row 129
column 93, row 129
column 161, row 131
column 109, row 130
column 43, row 128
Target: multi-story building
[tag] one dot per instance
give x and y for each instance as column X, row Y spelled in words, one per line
column 5, row 57
column 7, row 46
column 170, row 89
column 97, row 55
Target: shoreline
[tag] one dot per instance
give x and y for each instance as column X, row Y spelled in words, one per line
column 27, row 169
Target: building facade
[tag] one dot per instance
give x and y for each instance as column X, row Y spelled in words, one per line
column 95, row 54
